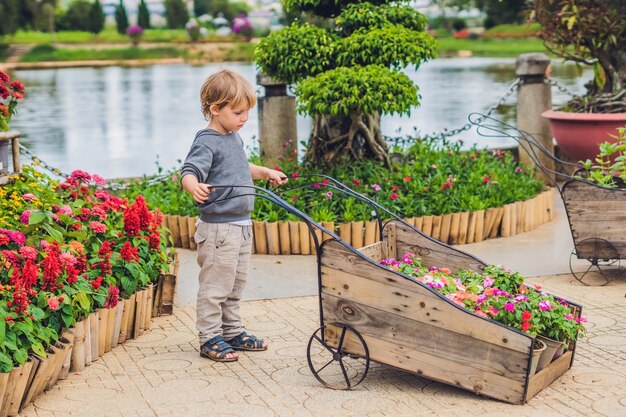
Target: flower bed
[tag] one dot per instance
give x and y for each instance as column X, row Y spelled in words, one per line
column 71, row 255
column 452, row 195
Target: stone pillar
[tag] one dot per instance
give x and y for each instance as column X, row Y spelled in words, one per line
column 277, row 122
column 6, row 139
column 534, row 96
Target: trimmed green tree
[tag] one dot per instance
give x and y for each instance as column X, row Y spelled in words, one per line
column 176, row 14
column 9, row 12
column 347, row 72
column 121, row 18
column 96, row 18
column 143, row 15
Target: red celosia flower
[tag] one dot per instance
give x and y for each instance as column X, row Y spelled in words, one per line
column 113, row 297
column 131, row 222
column 129, row 253
column 30, row 274
column 96, row 283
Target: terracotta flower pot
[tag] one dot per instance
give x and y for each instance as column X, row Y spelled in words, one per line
column 579, row 134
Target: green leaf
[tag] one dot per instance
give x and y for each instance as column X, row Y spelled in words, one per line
column 38, row 349
column 36, row 217
column 20, row 356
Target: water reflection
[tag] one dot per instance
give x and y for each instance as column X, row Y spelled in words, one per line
column 119, row 121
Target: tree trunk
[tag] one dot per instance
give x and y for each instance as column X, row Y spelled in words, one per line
column 337, row 138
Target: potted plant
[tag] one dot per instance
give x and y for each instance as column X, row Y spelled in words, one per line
column 589, row 32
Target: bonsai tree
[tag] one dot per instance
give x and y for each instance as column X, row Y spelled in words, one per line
column 347, row 70
column 589, row 32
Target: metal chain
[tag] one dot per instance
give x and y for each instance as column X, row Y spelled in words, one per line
column 562, row 88
column 41, row 163
column 109, row 185
column 509, row 91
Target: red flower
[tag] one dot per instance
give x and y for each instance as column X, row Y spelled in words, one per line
column 447, row 184
column 394, row 196
column 295, row 175
column 407, row 179
column 486, row 180
column 96, row 283
column 525, row 326
column 53, row 303
column 113, row 297
column 526, row 315
column 98, row 227
column 356, row 183
column 129, row 253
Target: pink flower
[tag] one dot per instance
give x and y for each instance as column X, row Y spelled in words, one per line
column 329, row 194
column 53, row 303
column 488, row 282
column 295, row 175
column 544, row 305
column 376, row 187
column 356, row 183
column 28, row 252
column 581, row 320
column 510, row 307
column 28, row 196
column 98, row 179
column 486, row 180
column 394, row 196
column 569, row 316
column 98, row 227
column 65, row 210
column 518, row 170
column 294, row 198
column 25, row 217
column 407, row 179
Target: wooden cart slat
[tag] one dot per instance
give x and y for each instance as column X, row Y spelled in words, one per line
column 409, row 299
column 436, row 368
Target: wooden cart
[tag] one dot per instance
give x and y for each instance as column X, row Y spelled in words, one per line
column 597, row 219
column 596, row 214
column 369, row 312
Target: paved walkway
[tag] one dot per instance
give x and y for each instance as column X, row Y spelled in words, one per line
column 161, row 373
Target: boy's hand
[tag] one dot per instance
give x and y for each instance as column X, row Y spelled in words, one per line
column 276, row 178
column 201, row 192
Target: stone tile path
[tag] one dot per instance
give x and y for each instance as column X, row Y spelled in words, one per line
column 161, row 373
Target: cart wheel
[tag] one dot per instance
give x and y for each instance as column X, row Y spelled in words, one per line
column 341, row 344
column 604, row 255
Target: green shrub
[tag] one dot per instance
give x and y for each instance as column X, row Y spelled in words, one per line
column 425, row 178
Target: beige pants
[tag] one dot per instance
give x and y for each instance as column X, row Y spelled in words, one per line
column 224, row 258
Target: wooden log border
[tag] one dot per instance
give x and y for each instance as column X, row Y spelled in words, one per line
column 454, row 228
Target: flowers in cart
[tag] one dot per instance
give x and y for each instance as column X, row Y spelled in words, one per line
column 499, row 294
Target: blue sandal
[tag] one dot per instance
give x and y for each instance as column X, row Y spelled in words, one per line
column 216, row 349
column 245, row 341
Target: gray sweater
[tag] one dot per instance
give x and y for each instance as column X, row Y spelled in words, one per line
column 218, row 159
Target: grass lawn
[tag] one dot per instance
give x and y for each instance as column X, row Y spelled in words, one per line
column 43, row 53
column 491, row 47
column 108, row 35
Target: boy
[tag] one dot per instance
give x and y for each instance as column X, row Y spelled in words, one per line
column 224, row 234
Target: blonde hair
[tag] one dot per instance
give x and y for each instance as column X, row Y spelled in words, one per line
column 223, row 88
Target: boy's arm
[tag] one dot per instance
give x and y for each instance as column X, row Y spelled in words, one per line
column 263, row 173
column 200, row 192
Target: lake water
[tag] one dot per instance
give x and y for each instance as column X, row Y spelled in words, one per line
column 119, row 121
